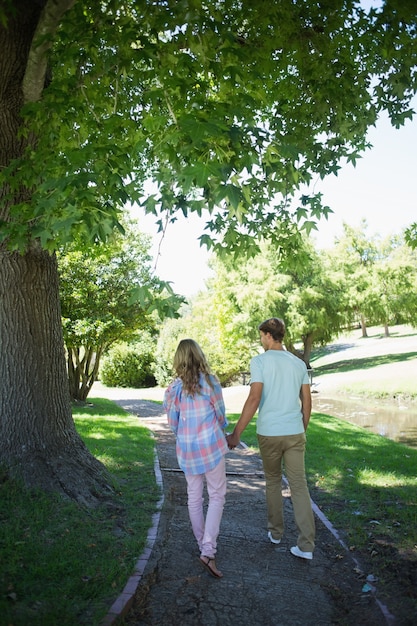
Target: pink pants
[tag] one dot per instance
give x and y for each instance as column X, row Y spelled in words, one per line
column 206, row 532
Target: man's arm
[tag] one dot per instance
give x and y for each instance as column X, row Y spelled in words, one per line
column 249, row 409
column 305, row 396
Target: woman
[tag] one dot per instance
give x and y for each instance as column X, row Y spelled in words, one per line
column 196, row 414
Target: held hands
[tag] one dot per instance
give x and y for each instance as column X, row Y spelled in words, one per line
column 232, row 441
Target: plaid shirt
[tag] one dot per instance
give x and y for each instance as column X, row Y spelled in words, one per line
column 197, row 422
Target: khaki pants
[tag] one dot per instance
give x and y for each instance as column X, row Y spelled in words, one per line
column 289, row 451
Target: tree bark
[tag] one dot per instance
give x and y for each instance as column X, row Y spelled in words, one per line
column 363, row 326
column 38, row 439
column 308, row 346
column 82, row 370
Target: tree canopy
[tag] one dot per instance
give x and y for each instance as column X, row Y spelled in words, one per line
column 232, row 108
column 361, row 279
column 99, row 308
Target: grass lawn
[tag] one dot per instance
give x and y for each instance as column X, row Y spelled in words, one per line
column 62, row 564
column 373, row 366
column 364, row 483
column 65, row 565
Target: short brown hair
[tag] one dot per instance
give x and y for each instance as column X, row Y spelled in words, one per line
column 275, row 326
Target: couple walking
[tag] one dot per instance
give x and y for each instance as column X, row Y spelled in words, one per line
column 196, row 414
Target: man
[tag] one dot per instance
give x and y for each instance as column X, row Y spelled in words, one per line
column 280, row 388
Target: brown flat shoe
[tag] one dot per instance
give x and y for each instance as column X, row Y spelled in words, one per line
column 207, row 564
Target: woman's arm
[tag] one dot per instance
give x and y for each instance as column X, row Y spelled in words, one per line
column 218, row 404
column 171, row 407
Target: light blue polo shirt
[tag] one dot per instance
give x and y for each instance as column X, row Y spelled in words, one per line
column 282, row 375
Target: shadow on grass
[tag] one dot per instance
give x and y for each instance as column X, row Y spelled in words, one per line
column 396, row 334
column 333, row 348
column 124, row 441
column 365, row 363
column 97, row 407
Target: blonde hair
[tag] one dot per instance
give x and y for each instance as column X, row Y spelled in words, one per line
column 189, row 363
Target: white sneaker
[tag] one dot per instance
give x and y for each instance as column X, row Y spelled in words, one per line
column 295, row 550
column 271, row 539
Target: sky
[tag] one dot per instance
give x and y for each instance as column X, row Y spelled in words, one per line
column 381, row 189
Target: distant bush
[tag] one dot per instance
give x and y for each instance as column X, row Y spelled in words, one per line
column 226, row 363
column 129, row 366
column 170, row 334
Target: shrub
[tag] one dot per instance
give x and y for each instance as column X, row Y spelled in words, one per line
column 129, row 366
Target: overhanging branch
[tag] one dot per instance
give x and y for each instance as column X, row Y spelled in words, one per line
column 49, row 21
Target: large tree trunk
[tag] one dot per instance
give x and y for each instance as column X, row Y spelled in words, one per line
column 37, row 433
column 38, row 439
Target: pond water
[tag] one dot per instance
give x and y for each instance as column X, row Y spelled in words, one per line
column 394, row 420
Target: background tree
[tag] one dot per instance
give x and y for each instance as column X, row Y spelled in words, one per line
column 301, row 290
column 392, row 294
column 304, row 290
column 231, row 108
column 98, row 310
column 316, row 310
column 170, row 333
column 205, row 321
column 354, row 255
